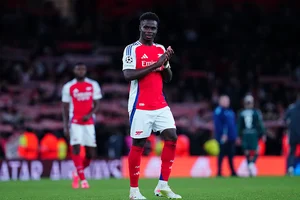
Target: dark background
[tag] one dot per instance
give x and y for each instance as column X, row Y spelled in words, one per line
column 222, row 46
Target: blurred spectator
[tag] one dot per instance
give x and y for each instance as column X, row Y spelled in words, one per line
column 292, row 119
column 225, row 132
column 29, row 146
column 49, row 147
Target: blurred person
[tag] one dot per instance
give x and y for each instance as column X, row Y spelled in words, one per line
column 48, row 147
column 291, row 118
column 225, row 132
column 80, row 98
column 28, row 148
column 146, row 65
column 250, row 129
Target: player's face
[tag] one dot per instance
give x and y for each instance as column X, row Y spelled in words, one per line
column 225, row 101
column 249, row 105
column 148, row 29
column 80, row 71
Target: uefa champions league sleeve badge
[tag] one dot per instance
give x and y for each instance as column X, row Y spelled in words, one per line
column 129, row 59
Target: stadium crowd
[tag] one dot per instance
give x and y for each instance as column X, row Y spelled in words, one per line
column 219, row 48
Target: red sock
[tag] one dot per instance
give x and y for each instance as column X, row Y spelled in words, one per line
column 167, row 159
column 78, row 162
column 86, row 162
column 134, row 162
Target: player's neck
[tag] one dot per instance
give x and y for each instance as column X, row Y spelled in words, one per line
column 146, row 42
column 80, row 79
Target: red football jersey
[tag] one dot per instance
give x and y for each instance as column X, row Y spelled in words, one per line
column 145, row 93
column 80, row 96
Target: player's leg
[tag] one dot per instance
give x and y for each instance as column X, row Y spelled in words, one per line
column 254, row 147
column 90, row 153
column 247, row 153
column 165, row 124
column 76, row 139
column 220, row 159
column 231, row 153
column 248, row 158
column 140, row 130
column 291, row 158
column 89, row 143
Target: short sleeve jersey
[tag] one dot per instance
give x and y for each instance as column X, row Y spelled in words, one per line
column 147, row 92
column 80, row 96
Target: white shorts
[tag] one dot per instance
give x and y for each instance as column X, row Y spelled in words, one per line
column 143, row 122
column 84, row 135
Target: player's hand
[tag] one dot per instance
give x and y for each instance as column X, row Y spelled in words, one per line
column 86, row 117
column 163, row 59
column 238, row 141
column 170, row 51
column 224, row 138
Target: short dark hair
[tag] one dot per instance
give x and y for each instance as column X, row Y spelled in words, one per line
column 149, row 16
column 79, row 63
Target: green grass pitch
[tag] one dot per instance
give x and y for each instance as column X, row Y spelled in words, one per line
column 259, row 188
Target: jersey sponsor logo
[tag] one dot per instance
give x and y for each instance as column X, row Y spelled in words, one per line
column 147, row 63
column 81, row 96
column 144, row 56
column 129, row 59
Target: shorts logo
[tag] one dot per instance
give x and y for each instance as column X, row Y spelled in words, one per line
column 128, row 59
column 138, row 132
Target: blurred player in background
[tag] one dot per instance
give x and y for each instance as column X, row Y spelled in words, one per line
column 225, row 132
column 146, row 65
column 250, row 129
column 80, row 102
column 292, row 119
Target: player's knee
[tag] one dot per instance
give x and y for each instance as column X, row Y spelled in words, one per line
column 76, row 149
column 170, row 135
column 139, row 142
column 89, row 155
column 90, row 152
column 173, row 137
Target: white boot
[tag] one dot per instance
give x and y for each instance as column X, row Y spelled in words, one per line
column 163, row 190
column 135, row 193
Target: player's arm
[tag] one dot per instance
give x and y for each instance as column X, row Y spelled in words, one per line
column 218, row 124
column 240, row 125
column 97, row 95
column 167, row 73
column 66, row 99
column 133, row 74
column 262, row 129
column 129, row 65
column 65, row 114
